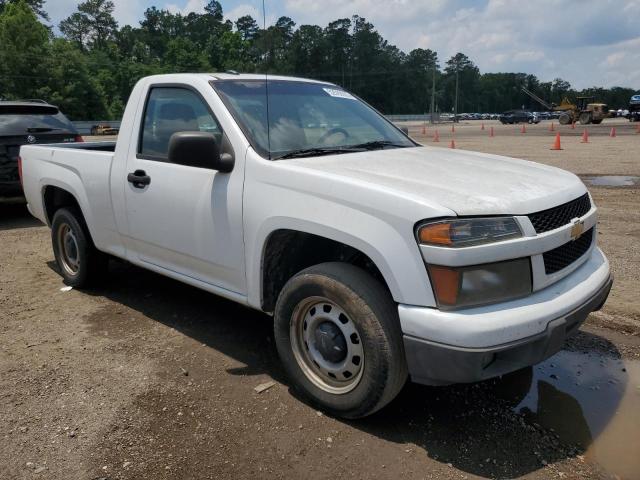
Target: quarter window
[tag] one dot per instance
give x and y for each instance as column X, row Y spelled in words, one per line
column 170, row 110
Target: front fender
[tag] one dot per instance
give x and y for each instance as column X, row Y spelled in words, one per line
column 399, row 262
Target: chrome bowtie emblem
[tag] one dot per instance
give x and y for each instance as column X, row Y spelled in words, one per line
column 31, row 139
column 577, row 229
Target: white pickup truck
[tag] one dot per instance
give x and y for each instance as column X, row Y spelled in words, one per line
column 377, row 257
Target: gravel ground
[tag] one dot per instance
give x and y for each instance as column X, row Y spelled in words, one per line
column 148, row 378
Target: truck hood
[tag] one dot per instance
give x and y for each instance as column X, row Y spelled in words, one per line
column 468, row 183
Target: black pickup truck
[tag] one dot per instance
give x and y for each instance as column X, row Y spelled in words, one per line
column 23, row 123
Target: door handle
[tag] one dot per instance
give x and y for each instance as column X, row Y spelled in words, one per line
column 139, row 179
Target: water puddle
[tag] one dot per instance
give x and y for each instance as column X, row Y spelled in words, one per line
column 612, row 180
column 591, row 401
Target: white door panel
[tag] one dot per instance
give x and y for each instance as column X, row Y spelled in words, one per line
column 187, row 220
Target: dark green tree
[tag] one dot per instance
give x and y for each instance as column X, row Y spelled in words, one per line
column 72, row 83
column 92, row 26
column 247, row 27
column 462, row 71
column 24, row 43
column 36, row 5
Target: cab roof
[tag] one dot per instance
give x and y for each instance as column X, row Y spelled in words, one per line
column 239, row 76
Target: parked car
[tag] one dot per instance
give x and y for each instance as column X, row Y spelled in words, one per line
column 23, row 123
column 518, row 116
column 634, row 108
column 377, row 257
column 103, row 129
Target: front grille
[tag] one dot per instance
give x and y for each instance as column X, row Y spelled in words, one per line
column 561, row 215
column 564, row 255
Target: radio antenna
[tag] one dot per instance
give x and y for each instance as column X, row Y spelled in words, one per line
column 266, row 78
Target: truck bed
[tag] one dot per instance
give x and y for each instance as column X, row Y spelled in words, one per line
column 82, row 169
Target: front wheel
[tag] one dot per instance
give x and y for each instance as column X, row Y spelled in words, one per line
column 565, row 119
column 584, row 118
column 338, row 335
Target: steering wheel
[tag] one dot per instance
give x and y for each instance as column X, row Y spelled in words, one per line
column 333, row 131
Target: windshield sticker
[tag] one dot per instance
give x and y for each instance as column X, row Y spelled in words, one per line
column 334, row 92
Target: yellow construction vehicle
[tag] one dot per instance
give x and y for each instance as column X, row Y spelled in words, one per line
column 584, row 110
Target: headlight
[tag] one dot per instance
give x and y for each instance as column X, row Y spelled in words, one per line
column 480, row 284
column 465, row 232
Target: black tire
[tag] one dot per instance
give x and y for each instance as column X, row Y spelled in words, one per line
column 584, row 118
column 565, row 119
column 375, row 316
column 91, row 263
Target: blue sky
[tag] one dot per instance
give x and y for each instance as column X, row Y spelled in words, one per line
column 587, row 42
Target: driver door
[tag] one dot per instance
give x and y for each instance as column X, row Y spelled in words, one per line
column 182, row 219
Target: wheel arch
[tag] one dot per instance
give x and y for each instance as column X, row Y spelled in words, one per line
column 288, row 251
column 55, row 197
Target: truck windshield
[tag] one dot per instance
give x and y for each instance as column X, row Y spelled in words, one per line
column 305, row 119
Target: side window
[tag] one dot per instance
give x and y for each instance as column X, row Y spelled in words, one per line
column 170, row 110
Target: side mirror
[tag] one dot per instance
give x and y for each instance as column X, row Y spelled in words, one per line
column 199, row 149
column 405, row 130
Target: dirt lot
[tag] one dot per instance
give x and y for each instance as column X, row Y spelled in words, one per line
column 148, row 378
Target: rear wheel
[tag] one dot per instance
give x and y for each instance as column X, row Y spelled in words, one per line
column 80, row 263
column 338, row 335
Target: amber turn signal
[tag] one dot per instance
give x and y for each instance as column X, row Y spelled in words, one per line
column 446, row 283
column 436, row 234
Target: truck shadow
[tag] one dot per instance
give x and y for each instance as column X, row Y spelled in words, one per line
column 16, row 215
column 499, row 428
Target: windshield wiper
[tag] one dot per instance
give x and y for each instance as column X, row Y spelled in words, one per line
column 318, row 151
column 361, row 147
column 377, row 144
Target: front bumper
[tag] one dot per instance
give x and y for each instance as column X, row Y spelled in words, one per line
column 557, row 312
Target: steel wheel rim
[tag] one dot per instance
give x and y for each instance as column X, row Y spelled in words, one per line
column 68, row 248
column 336, row 377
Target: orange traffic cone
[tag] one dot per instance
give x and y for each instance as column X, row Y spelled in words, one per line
column 573, row 125
column 453, row 128
column 551, row 128
column 436, row 137
column 556, row 144
column 585, row 137
column 523, row 129
column 491, row 132
column 452, row 144
column 612, row 134
column 482, row 126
